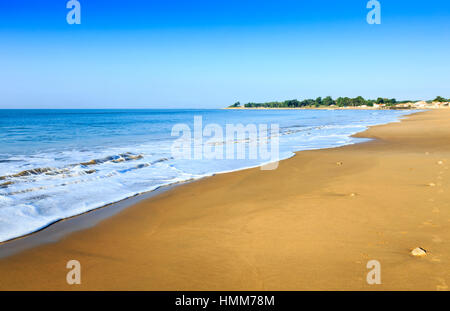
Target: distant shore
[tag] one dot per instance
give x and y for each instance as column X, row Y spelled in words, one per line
column 347, row 103
column 311, row 108
column 431, row 106
column 311, row 224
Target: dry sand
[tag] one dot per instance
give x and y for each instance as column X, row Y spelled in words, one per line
column 312, row 224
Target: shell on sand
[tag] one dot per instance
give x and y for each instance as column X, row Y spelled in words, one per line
column 419, row 252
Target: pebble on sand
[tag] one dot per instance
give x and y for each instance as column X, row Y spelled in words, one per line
column 440, row 162
column 419, row 252
column 431, row 184
column 339, row 163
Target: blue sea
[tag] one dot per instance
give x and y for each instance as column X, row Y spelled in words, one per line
column 59, row 163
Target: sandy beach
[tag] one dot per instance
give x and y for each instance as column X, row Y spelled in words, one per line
column 311, row 224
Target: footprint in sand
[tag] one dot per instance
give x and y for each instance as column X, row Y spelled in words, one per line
column 436, row 260
column 364, row 255
column 436, row 239
column 443, row 286
column 428, row 223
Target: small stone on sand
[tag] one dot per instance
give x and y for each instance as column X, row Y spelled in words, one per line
column 419, row 252
column 431, row 184
column 352, row 194
column 339, row 163
column 440, row 162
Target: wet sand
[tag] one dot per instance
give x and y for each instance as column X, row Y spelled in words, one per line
column 311, row 224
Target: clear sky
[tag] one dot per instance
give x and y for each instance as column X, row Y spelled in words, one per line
column 211, row 53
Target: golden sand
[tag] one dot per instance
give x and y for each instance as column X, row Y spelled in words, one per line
column 312, row 224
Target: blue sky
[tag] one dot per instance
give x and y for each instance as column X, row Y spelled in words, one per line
column 209, row 54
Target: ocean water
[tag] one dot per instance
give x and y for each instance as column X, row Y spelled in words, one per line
column 59, row 163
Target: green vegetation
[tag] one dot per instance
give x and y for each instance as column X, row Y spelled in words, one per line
column 441, row 99
column 330, row 102
column 319, row 102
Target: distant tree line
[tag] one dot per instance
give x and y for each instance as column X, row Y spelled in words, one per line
column 441, row 99
column 320, row 102
column 329, row 101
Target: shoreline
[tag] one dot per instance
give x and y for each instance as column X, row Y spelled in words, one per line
column 164, row 187
column 182, row 194
column 61, row 228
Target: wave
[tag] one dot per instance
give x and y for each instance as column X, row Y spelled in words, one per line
column 125, row 157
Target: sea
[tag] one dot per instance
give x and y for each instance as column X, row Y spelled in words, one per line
column 56, row 164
